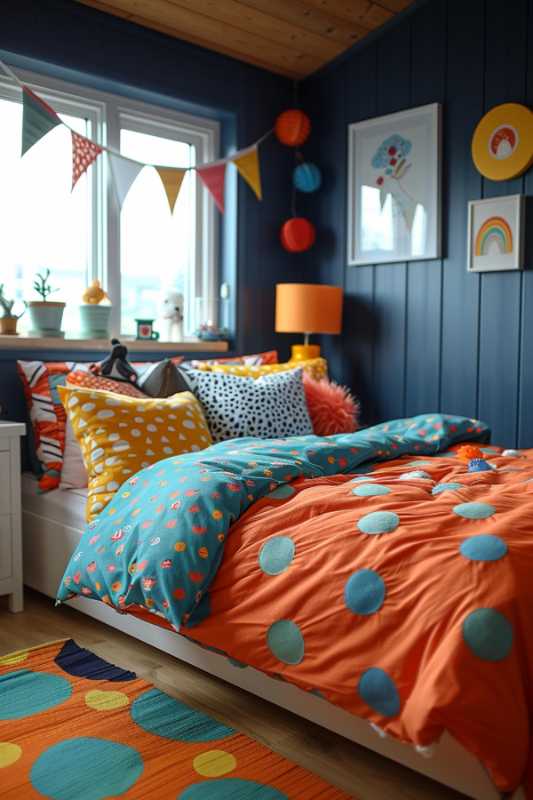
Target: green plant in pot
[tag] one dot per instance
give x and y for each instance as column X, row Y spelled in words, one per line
column 8, row 320
column 45, row 315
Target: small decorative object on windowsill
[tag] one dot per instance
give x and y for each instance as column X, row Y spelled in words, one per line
column 45, row 315
column 308, row 308
column 8, row 320
column 95, row 313
column 208, row 332
column 170, row 321
column 145, row 330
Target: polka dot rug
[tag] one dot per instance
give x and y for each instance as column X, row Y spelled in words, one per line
column 73, row 727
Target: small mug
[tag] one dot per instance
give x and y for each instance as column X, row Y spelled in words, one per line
column 145, row 330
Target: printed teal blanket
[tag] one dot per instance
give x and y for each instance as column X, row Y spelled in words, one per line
column 160, row 541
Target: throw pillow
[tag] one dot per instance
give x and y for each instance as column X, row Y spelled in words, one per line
column 120, row 435
column 89, row 381
column 254, row 359
column 268, row 407
column 316, row 367
column 331, row 407
column 73, row 473
column 162, row 379
column 40, row 380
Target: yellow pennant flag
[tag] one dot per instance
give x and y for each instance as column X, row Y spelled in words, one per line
column 247, row 162
column 171, row 178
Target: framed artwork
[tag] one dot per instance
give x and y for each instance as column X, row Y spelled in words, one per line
column 496, row 234
column 394, row 168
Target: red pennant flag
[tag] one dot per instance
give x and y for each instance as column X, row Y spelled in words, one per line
column 84, row 152
column 212, row 176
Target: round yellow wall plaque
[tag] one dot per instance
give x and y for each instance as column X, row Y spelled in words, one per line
column 502, row 145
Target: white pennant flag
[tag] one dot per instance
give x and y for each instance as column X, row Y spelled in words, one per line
column 124, row 172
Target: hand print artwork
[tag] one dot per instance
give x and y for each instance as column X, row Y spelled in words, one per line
column 394, row 187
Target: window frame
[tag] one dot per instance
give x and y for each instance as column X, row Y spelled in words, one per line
column 106, row 113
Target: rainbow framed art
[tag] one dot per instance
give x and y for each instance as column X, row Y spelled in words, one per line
column 496, row 234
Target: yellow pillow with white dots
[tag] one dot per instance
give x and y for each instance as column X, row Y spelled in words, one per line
column 120, row 435
column 317, row 368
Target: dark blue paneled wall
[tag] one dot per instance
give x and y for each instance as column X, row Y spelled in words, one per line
column 426, row 336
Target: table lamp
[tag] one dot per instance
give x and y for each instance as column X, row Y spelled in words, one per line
column 308, row 308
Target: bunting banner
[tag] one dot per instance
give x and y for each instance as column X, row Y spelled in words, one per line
column 84, row 152
column 247, row 162
column 124, row 171
column 37, row 119
column 213, row 177
column 171, row 178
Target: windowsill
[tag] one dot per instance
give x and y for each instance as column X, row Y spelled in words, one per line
column 134, row 345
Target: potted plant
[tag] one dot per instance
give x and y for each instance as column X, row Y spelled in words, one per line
column 95, row 313
column 45, row 315
column 8, row 320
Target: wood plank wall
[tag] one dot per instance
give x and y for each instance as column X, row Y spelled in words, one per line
column 429, row 336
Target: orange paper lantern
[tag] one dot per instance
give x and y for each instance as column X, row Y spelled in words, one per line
column 292, row 127
column 297, row 235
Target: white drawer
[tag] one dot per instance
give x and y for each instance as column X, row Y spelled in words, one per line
column 5, row 547
column 5, row 483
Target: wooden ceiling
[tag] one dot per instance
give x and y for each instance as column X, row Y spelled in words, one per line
column 290, row 37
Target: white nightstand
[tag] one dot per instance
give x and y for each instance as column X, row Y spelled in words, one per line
column 10, row 514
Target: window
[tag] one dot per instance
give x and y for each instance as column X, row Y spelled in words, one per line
column 137, row 251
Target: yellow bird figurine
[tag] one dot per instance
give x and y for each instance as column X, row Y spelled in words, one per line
column 94, row 294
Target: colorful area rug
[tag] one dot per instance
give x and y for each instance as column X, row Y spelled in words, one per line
column 73, row 727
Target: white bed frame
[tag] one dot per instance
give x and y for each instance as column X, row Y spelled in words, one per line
column 48, row 545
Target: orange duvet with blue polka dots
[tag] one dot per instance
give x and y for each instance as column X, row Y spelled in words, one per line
column 373, row 569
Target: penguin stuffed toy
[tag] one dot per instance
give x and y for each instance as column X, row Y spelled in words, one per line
column 116, row 365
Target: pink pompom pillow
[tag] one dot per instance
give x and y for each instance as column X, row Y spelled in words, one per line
column 331, row 407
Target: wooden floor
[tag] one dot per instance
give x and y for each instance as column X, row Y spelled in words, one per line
column 358, row 771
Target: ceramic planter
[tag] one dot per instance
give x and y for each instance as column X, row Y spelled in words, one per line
column 8, row 326
column 94, row 321
column 46, row 318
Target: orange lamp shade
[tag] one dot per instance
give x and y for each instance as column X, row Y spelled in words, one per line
column 308, row 308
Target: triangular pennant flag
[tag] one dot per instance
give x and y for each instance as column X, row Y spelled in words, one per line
column 84, row 152
column 171, row 178
column 212, row 176
column 37, row 119
column 247, row 162
column 124, row 172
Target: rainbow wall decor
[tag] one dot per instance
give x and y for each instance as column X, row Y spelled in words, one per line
column 494, row 235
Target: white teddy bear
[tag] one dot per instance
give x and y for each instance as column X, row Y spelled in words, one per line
column 171, row 316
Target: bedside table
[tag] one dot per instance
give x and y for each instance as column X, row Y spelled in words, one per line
column 10, row 514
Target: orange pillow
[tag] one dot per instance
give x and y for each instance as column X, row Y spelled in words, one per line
column 89, row 381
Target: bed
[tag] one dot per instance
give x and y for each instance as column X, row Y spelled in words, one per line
column 341, row 479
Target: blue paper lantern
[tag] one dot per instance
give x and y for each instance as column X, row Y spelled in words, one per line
column 307, row 177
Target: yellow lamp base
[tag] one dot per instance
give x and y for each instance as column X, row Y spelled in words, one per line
column 302, row 352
